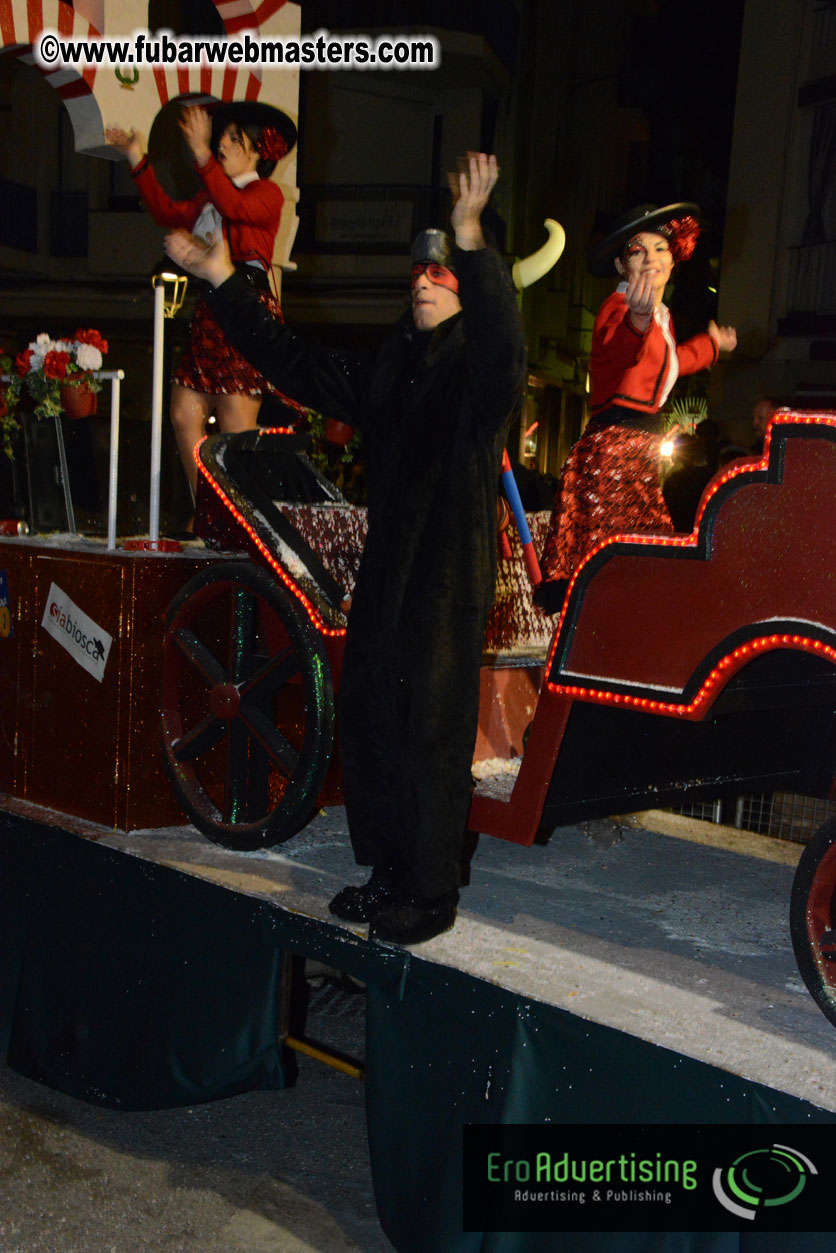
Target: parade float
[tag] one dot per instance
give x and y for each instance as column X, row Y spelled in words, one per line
column 724, row 682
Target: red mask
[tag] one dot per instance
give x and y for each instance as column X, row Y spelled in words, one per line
column 438, row 274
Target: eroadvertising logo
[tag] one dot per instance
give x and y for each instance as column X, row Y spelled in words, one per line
column 649, row 1177
column 762, row 1177
column 85, row 641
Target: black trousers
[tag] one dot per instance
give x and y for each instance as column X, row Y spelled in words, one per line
column 409, row 707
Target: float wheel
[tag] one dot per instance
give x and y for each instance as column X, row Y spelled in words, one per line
column 247, row 707
column 813, row 918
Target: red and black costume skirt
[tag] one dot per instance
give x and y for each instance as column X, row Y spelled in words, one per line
column 211, row 365
column 609, row 485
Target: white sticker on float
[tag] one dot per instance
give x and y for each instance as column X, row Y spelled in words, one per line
column 83, row 638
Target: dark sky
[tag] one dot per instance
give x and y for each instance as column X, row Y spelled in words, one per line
column 683, row 72
column 681, row 69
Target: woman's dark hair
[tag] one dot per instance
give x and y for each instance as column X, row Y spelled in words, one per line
column 255, row 133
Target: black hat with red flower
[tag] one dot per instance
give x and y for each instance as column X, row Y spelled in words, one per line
column 677, row 222
column 277, row 132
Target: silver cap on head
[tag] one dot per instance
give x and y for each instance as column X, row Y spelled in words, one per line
column 432, row 246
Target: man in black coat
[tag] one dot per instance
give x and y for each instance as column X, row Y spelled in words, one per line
column 433, row 406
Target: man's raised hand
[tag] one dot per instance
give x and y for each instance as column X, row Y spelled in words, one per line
column 475, row 184
column 208, row 259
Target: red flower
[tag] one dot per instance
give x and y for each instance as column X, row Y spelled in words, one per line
column 272, row 146
column 22, row 362
column 93, row 337
column 55, row 365
column 685, row 232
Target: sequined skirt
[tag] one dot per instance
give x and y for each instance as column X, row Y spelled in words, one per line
column 210, row 364
column 608, row 486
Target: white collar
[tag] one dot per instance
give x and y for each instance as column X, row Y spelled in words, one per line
column 241, row 180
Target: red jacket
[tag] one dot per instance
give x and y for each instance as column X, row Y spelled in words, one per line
column 629, row 367
column 250, row 214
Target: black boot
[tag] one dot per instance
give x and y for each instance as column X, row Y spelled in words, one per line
column 413, row 921
column 469, row 846
column 359, row 904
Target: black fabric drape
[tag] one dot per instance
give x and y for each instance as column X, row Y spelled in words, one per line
column 128, row 984
column 445, row 1049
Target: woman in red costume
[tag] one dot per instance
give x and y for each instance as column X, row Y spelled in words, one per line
column 235, row 152
column 610, row 482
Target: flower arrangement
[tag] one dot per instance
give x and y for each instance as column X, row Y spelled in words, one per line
column 9, row 425
column 48, row 365
column 338, row 461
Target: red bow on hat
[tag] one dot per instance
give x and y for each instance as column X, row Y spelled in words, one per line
column 271, row 146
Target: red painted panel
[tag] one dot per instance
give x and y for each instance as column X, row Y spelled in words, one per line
column 68, row 741
column 16, row 648
column 650, row 616
column 77, row 728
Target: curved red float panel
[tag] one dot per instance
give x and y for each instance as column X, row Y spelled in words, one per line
column 661, row 623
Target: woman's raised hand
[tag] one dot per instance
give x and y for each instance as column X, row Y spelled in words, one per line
column 725, row 337
column 197, row 129
column 127, row 142
column 641, row 299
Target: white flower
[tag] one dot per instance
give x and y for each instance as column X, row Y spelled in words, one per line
column 39, row 348
column 88, row 357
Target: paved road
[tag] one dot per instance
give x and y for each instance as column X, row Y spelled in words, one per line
column 266, row 1172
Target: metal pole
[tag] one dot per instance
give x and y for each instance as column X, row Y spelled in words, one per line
column 157, row 410
column 65, row 476
column 113, row 474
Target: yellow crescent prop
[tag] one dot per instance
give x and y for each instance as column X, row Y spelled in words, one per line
column 529, row 269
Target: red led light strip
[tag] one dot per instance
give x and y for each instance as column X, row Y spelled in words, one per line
column 732, row 661
column 721, row 673
column 293, row 587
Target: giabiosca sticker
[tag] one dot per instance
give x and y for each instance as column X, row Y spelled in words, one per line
column 83, row 638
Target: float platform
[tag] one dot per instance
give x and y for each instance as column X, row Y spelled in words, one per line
column 627, row 977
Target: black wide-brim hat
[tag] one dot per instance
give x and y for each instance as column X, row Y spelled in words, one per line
column 251, row 111
column 602, row 253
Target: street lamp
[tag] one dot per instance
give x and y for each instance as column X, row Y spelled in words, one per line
column 169, row 294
